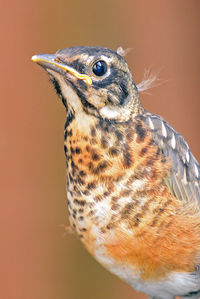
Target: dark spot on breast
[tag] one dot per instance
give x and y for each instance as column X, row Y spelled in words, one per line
column 113, row 151
column 143, row 151
column 119, row 135
column 111, row 187
column 127, row 210
column 136, row 219
column 70, row 178
column 80, row 211
column 80, row 161
column 107, row 193
column 79, row 202
column 91, row 213
column 104, row 125
column 110, row 226
column 127, row 157
column 146, row 206
column 151, row 142
column 161, row 211
column 101, row 167
column 163, row 160
column 95, row 156
column 91, row 204
column 91, row 185
column 98, row 198
column 114, row 198
column 65, row 149
column 73, row 165
column 158, row 152
column 77, row 193
column 70, row 133
column 65, row 135
column 141, row 132
column 115, row 207
column 129, row 134
column 155, row 220
column 87, row 148
column 93, row 141
column 118, row 178
column 82, row 173
column 80, row 181
column 69, row 119
column 150, row 161
column 125, row 193
column 80, row 218
column 78, row 150
column 83, row 229
column 90, row 166
column 104, row 142
column 93, row 131
column 67, row 183
column 86, row 192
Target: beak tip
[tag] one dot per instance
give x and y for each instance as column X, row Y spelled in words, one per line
column 34, row 58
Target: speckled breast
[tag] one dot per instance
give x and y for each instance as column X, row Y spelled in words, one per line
column 118, row 202
column 109, row 167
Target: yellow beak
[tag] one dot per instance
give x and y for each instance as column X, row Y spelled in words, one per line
column 50, row 61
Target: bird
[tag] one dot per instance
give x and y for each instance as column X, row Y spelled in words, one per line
column 133, row 185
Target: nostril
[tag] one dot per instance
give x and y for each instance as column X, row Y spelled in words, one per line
column 57, row 60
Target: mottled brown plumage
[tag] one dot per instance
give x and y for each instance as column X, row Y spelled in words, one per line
column 133, row 186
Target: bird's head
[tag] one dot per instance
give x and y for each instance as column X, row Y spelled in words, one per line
column 93, row 80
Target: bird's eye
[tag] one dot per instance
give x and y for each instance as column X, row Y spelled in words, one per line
column 99, row 68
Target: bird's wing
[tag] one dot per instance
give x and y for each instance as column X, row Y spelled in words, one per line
column 184, row 179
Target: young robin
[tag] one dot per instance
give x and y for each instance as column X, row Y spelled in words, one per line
column 133, row 186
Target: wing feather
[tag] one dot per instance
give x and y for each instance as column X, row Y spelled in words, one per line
column 184, row 179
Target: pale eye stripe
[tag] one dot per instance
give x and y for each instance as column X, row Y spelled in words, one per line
column 164, row 131
column 173, row 141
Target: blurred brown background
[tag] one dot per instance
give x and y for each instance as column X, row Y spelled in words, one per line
column 37, row 260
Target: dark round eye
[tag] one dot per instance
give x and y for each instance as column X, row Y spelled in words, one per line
column 99, row 68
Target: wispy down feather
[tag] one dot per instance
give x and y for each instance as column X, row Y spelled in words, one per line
column 149, row 81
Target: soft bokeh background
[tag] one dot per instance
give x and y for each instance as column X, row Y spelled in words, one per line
column 38, row 260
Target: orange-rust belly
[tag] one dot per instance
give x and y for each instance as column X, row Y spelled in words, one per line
column 119, row 204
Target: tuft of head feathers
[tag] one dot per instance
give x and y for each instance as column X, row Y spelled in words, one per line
column 122, row 52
